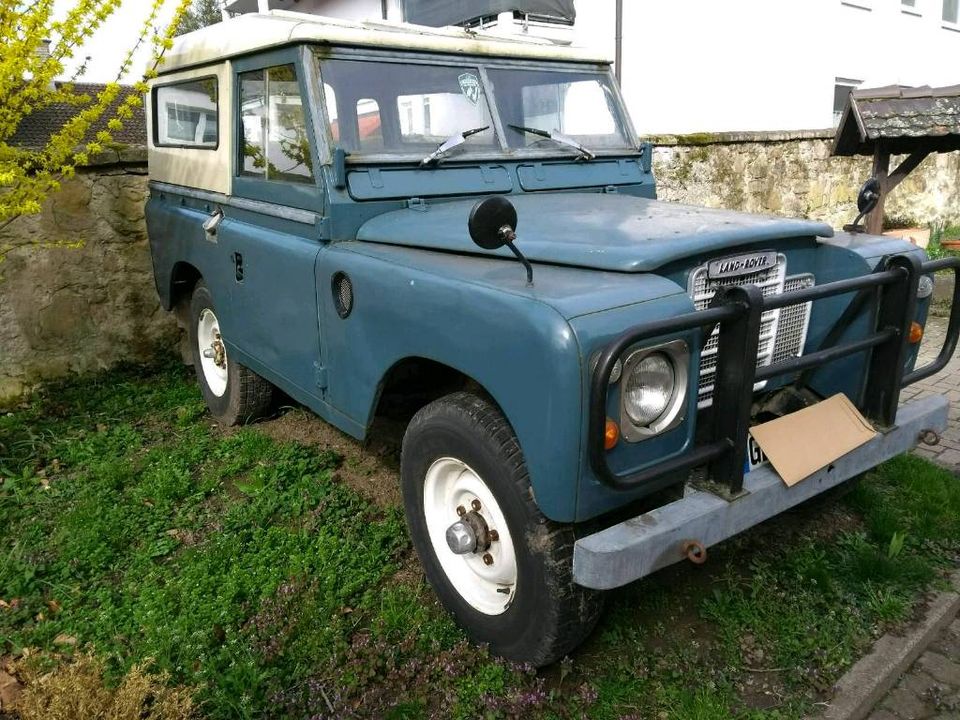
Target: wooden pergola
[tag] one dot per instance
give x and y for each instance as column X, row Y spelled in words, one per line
column 897, row 120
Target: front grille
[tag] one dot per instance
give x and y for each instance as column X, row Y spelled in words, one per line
column 782, row 331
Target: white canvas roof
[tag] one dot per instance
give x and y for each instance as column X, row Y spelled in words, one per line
column 252, row 32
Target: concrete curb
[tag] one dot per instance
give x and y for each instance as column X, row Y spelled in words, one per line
column 865, row 684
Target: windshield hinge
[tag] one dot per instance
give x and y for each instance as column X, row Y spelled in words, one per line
column 323, row 227
column 417, row 204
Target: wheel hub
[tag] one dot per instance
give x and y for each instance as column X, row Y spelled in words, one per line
column 219, row 352
column 475, row 552
column 469, row 534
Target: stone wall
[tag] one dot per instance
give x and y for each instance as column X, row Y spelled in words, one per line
column 76, row 283
column 793, row 174
column 77, row 293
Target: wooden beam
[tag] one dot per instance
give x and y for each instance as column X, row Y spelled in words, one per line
column 905, row 168
column 881, row 168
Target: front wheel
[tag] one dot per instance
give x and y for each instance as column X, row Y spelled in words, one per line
column 501, row 568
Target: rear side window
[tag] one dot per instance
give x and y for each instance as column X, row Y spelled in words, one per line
column 186, row 114
column 273, row 128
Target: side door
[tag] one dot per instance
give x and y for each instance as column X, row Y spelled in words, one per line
column 273, row 225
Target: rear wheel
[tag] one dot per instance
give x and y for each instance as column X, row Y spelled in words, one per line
column 501, row 568
column 234, row 393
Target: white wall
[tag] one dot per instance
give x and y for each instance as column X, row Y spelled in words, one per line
column 699, row 66
column 728, row 65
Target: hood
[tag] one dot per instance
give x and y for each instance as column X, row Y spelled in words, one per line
column 604, row 231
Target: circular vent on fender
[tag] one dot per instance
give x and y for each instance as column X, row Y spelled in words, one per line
column 342, row 294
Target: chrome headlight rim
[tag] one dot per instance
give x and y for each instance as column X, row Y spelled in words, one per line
column 678, row 353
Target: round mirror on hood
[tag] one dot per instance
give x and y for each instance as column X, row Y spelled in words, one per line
column 869, row 196
column 493, row 222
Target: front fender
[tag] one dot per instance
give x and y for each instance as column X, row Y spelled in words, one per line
column 520, row 350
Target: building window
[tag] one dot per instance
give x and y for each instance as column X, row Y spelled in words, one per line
column 909, row 7
column 273, row 128
column 951, row 11
column 185, row 114
column 841, row 92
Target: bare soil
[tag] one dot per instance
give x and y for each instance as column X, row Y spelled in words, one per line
column 372, row 467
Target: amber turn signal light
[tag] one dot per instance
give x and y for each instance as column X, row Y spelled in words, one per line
column 916, row 333
column 611, row 434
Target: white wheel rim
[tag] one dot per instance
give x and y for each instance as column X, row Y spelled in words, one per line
column 213, row 354
column 488, row 588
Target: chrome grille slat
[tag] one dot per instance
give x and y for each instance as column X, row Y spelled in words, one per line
column 782, row 332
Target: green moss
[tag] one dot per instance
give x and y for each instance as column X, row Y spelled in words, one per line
column 701, row 138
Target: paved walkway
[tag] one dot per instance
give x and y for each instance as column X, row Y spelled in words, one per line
column 931, row 688
column 946, row 382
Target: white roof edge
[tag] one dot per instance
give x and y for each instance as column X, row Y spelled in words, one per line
column 253, row 32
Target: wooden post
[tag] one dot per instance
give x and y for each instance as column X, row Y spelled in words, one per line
column 881, row 168
column 889, row 180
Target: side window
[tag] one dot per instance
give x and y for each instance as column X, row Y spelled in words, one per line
column 273, row 128
column 185, row 114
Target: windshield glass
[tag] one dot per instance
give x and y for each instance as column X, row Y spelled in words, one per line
column 377, row 107
column 579, row 105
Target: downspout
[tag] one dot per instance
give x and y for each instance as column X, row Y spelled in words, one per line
column 618, row 35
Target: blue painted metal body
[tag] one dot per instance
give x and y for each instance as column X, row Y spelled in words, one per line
column 607, row 256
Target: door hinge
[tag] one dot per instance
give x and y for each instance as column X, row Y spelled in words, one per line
column 320, row 374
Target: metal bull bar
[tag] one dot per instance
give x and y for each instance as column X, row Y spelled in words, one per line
column 737, row 310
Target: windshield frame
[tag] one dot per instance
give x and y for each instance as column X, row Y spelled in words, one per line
column 481, row 63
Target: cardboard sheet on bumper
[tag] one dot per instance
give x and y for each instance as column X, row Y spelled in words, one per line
column 803, row 442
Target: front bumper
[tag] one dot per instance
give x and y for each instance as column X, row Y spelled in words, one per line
column 639, row 546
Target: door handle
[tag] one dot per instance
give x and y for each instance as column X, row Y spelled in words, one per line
column 211, row 224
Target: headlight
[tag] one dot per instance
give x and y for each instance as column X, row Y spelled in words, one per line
column 653, row 393
column 925, row 288
column 649, row 388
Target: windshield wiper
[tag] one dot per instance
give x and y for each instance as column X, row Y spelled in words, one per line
column 449, row 144
column 557, row 136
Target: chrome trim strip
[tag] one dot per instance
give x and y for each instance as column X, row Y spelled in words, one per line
column 283, row 212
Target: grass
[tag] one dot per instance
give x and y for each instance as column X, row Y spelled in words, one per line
column 939, row 233
column 141, row 540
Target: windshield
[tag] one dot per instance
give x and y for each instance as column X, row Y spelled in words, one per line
column 378, row 107
column 579, row 105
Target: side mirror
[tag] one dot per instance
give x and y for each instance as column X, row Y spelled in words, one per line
column 869, row 196
column 493, row 224
column 867, row 200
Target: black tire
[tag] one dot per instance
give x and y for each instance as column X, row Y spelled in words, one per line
column 247, row 395
column 549, row 615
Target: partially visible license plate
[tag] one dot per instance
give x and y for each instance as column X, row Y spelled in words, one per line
column 755, row 456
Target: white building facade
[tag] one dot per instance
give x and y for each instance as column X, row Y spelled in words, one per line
column 691, row 66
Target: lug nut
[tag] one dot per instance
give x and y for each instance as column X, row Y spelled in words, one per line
column 494, row 536
column 487, row 559
column 461, row 510
column 475, row 505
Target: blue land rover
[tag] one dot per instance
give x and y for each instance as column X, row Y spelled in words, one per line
column 464, row 232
